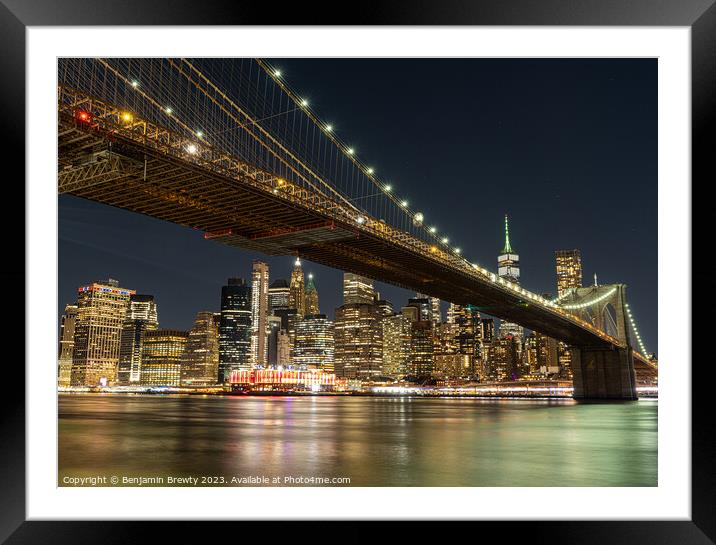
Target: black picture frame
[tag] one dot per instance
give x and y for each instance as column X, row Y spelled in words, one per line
column 16, row 15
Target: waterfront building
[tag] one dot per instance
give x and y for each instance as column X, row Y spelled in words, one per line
column 449, row 362
column 311, row 297
column 279, row 294
column 421, row 349
column 67, row 344
column 505, row 359
column 508, row 268
column 469, row 339
column 314, row 344
column 234, row 328
column 161, row 357
column 357, row 290
column 259, row 313
column 452, row 311
column 385, row 308
column 297, row 298
column 141, row 316
column 359, row 341
column 199, row 363
column 569, row 270
column 396, row 345
column 101, row 309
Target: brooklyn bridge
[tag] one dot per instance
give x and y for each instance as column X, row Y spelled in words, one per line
column 230, row 149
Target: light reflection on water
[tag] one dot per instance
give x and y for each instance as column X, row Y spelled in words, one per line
column 376, row 441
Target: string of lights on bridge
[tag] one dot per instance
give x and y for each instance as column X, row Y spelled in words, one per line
column 636, row 331
column 350, row 152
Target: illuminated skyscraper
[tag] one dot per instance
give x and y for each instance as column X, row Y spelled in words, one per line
column 279, row 295
column 259, row 313
column 435, row 312
column 161, row 353
column 141, row 316
column 297, row 298
column 314, row 347
column 449, row 362
column 508, row 268
column 357, row 290
column 311, row 297
column 200, row 359
column 424, row 307
column 421, row 364
column 569, row 270
column 396, row 345
column 67, row 344
column 234, row 328
column 358, row 341
column 469, row 340
column 101, row 309
column 505, row 359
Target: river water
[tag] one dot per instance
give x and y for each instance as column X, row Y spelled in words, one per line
column 354, row 441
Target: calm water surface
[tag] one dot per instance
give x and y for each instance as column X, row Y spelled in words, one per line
column 374, row 441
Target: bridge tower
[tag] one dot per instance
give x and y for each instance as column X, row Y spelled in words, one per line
column 599, row 372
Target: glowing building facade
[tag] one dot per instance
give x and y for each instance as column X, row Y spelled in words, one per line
column 314, row 345
column 101, row 309
column 311, row 297
column 234, row 328
column 141, row 316
column 508, row 268
column 161, row 357
column 259, row 313
column 297, row 297
column 67, row 344
column 569, row 270
column 199, row 363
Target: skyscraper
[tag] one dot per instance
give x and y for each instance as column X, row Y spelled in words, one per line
column 234, row 328
column 161, row 353
column 314, row 347
column 200, row 359
column 358, row 341
column 311, row 297
column 101, row 308
column 279, row 295
column 396, row 345
column 569, row 270
column 424, row 307
column 297, row 298
column 508, row 268
column 469, row 339
column 141, row 316
column 435, row 312
column 67, row 344
column 259, row 313
column 357, row 289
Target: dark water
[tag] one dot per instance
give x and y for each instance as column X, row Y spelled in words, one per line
column 372, row 441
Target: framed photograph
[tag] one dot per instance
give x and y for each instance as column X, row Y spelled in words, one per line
column 428, row 264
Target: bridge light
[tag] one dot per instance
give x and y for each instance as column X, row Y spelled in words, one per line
column 350, row 151
column 329, row 128
column 388, row 188
column 126, row 116
column 458, row 250
column 281, row 181
column 433, row 230
column 404, row 204
column 199, row 134
column 360, row 219
column 83, row 116
column 370, row 171
column 445, row 240
column 304, row 102
column 418, row 217
column 135, row 83
column 433, row 249
column 191, row 148
column 168, row 110
column 277, row 73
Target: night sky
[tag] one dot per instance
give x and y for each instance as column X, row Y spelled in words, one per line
column 567, row 148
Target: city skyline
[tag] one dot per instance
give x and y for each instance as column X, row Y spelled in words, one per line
column 148, row 252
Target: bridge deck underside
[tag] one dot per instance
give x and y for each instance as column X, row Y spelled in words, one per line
column 240, row 215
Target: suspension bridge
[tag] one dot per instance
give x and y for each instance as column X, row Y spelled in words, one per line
column 229, row 148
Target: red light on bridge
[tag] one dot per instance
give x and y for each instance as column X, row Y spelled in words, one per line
column 83, row 116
